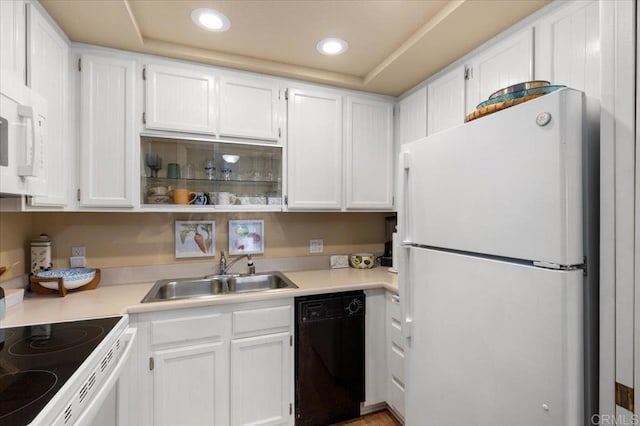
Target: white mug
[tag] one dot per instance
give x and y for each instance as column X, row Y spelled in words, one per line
column 226, row 198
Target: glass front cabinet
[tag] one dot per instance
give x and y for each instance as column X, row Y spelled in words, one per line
column 212, row 175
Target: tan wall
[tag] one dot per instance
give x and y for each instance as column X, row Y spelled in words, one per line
column 15, row 232
column 129, row 239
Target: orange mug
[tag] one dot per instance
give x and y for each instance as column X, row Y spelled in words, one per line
column 183, row 196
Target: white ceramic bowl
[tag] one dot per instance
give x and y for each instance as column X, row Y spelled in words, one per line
column 72, row 277
column 362, row 260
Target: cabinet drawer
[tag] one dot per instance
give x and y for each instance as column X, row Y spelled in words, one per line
column 396, row 363
column 393, row 306
column 189, row 328
column 395, row 333
column 262, row 320
column 396, row 397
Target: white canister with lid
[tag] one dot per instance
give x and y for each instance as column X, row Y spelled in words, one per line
column 41, row 254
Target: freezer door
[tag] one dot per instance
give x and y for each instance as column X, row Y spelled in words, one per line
column 508, row 184
column 492, row 343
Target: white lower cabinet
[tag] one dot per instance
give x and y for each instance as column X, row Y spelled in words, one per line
column 217, row 365
column 260, row 380
column 395, row 355
column 201, row 368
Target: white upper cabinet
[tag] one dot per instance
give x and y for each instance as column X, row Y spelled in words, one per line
column 107, row 132
column 48, row 75
column 13, row 35
column 314, row 150
column 179, row 99
column 249, row 108
column 446, row 101
column 369, row 154
column 506, row 63
column 568, row 47
column 412, row 116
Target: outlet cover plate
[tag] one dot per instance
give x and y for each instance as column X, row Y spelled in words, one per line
column 316, row 246
column 78, row 252
column 77, row 261
column 340, row 261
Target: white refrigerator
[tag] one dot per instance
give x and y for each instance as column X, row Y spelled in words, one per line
column 498, row 293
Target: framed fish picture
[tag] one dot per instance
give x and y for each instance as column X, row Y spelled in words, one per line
column 195, row 238
column 246, row 236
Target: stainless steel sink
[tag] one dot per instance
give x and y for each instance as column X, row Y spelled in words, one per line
column 215, row 286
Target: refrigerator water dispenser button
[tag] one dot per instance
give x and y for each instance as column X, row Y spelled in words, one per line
column 543, row 119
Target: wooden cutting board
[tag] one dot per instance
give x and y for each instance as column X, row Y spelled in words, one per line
column 490, row 109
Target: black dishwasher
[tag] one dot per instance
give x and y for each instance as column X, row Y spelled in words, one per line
column 329, row 367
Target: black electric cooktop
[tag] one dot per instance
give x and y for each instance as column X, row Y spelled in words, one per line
column 37, row 360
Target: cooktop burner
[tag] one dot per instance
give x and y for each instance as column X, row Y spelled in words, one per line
column 36, row 361
column 42, row 341
column 23, row 389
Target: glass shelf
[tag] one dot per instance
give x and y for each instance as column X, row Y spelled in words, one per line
column 223, row 175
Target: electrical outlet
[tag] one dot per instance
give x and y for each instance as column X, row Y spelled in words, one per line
column 316, row 246
column 77, row 261
column 341, row 261
column 78, row 252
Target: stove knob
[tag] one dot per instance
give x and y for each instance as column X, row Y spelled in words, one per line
column 354, row 307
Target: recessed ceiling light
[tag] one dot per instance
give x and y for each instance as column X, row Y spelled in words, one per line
column 332, row 46
column 210, row 20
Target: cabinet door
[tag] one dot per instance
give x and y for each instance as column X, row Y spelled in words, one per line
column 13, row 34
column 314, row 150
column 261, row 371
column 509, row 62
column 249, row 108
column 48, row 76
column 412, row 116
column 445, row 108
column 107, row 132
column 179, row 99
column 191, row 385
column 369, row 154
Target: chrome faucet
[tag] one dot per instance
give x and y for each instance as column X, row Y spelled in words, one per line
column 224, row 267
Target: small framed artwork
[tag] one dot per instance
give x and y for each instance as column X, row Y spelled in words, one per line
column 195, row 238
column 246, row 236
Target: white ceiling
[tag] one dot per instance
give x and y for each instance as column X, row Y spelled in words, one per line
column 393, row 44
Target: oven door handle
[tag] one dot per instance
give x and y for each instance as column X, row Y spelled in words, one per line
column 92, row 408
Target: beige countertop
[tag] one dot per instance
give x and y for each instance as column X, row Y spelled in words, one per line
column 120, row 299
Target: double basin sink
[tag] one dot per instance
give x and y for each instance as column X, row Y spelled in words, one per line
column 216, row 285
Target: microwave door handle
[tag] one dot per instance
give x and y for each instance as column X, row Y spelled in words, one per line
column 29, row 169
column 92, row 408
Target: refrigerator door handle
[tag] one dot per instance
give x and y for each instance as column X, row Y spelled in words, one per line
column 406, row 293
column 404, row 217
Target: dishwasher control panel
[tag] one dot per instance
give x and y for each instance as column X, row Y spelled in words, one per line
column 322, row 307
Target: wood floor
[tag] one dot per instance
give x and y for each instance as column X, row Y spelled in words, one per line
column 380, row 418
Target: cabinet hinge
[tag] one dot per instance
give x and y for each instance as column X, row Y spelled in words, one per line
column 468, row 73
column 286, row 94
column 279, row 132
column 286, row 200
column 79, row 64
column 151, row 364
column 290, row 340
column 144, row 118
column 624, row 396
column 78, row 194
column 144, row 73
column 290, row 408
column 279, row 94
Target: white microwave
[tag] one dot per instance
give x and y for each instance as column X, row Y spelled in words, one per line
column 23, row 147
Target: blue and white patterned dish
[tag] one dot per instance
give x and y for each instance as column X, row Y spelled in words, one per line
column 72, row 277
column 520, row 94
